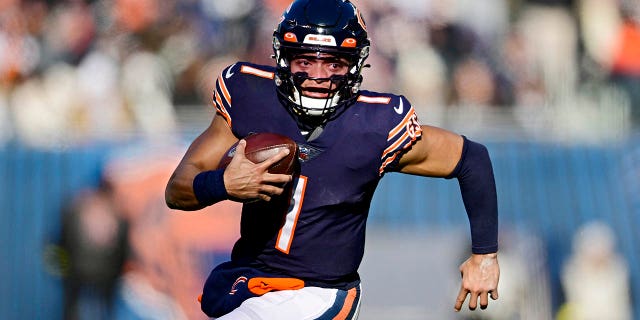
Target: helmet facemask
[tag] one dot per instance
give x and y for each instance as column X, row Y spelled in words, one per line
column 317, row 107
column 341, row 92
column 325, row 28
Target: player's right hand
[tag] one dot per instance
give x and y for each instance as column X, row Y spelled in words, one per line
column 247, row 181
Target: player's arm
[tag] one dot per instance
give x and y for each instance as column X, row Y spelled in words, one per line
column 203, row 154
column 196, row 182
column 441, row 153
column 435, row 155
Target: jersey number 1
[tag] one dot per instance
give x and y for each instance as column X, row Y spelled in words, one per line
column 285, row 236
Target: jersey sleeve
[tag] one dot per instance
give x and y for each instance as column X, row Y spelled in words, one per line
column 222, row 94
column 405, row 130
column 238, row 86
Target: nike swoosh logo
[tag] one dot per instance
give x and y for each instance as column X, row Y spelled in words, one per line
column 400, row 107
column 229, row 73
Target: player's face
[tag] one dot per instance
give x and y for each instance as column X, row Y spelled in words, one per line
column 321, row 66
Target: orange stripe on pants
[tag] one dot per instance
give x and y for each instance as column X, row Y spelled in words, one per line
column 348, row 304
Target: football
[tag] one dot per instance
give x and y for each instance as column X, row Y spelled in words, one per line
column 262, row 146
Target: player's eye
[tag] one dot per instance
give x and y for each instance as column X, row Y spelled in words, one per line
column 303, row 62
column 337, row 66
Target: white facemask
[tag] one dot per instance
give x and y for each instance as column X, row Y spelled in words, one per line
column 314, row 106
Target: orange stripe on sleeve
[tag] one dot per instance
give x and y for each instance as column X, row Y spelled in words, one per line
column 408, row 137
column 221, row 109
column 395, row 145
column 224, row 90
column 387, row 162
column 226, row 118
column 348, row 304
column 401, row 125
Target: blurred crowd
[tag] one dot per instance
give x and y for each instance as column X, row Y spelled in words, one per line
column 76, row 71
column 122, row 254
column 595, row 277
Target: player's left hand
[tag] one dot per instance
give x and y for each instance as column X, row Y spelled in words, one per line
column 480, row 274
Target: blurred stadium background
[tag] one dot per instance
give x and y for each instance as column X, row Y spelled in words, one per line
column 113, row 91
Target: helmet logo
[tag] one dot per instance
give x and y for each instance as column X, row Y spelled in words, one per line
column 290, row 37
column 320, row 39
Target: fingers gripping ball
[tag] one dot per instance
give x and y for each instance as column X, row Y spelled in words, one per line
column 262, row 146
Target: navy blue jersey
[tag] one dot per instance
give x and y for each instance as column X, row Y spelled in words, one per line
column 317, row 232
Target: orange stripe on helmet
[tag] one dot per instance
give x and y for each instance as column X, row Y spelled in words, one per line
column 361, row 20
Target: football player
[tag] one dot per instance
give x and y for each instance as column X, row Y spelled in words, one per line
column 302, row 235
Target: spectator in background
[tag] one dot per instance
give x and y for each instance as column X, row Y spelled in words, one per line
column 73, row 35
column 95, row 240
column 105, row 116
column 625, row 64
column 473, row 83
column 528, row 87
column 546, row 24
column 419, row 70
column 599, row 22
column 147, row 87
column 473, row 77
column 20, row 50
column 611, row 34
column 20, row 53
column 595, row 279
column 47, row 110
